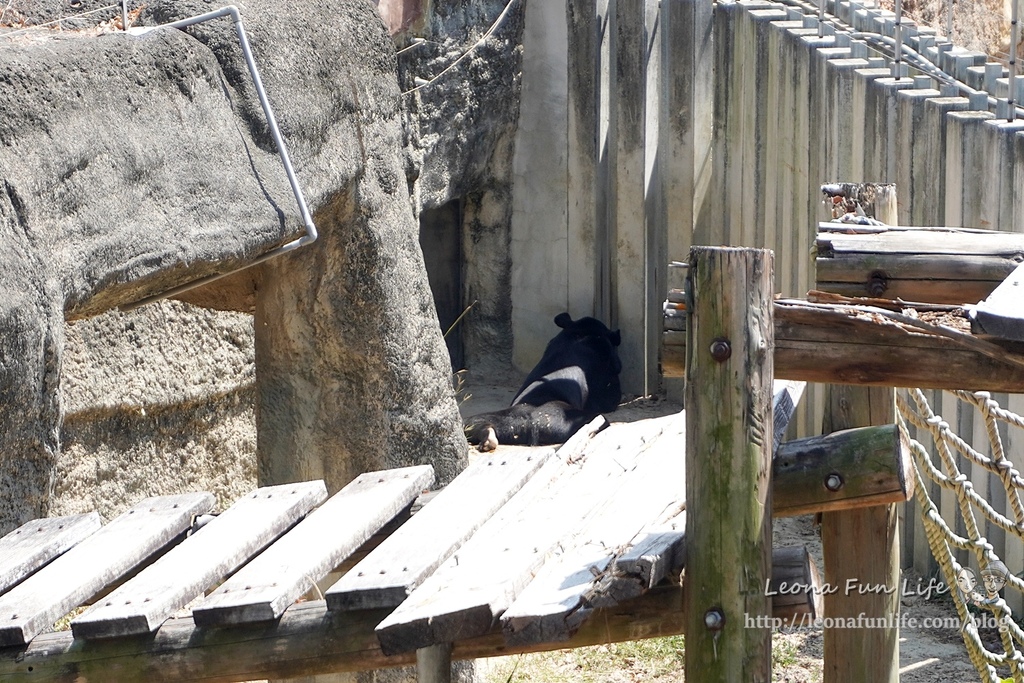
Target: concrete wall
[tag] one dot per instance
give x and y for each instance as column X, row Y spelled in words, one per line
column 612, row 155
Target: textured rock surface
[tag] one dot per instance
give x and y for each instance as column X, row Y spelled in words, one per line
column 130, row 164
column 460, row 139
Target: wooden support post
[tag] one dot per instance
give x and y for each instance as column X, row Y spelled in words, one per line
column 862, row 559
column 434, row 664
column 728, row 451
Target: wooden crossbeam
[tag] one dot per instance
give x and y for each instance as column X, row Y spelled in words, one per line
column 306, row 641
column 933, row 265
column 847, row 469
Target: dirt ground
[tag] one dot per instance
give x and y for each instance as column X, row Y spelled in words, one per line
column 926, row 654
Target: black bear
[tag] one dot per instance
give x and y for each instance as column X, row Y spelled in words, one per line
column 576, row 380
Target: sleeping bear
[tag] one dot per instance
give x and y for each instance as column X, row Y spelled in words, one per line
column 576, row 380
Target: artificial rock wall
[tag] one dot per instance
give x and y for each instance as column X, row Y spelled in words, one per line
column 134, row 163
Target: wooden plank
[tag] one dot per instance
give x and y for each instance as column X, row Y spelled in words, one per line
column 386, row 576
column 267, row 585
column 1002, row 313
column 548, row 607
column 842, row 470
column 306, row 641
column 37, row 602
column 35, row 543
column 925, row 265
column 492, row 567
column 249, row 525
column 728, row 464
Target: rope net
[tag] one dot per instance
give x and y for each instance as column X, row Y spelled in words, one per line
column 946, row 470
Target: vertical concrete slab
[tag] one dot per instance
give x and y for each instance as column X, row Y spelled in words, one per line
column 718, row 218
column 863, row 168
column 932, row 205
column 821, row 140
column 630, row 274
column 1007, row 171
column 583, row 89
column 686, row 116
column 843, row 114
column 830, row 123
column 540, row 240
column 880, row 149
column 910, row 153
column 964, row 166
column 755, row 161
column 656, row 236
column 1018, row 181
column 779, row 147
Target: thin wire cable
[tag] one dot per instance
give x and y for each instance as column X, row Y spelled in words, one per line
column 55, row 21
column 487, row 34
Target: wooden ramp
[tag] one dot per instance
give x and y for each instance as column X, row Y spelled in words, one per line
column 518, row 553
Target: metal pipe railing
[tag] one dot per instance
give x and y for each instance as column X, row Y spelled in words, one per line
column 311, row 232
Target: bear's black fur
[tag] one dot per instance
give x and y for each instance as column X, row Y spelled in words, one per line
column 576, row 380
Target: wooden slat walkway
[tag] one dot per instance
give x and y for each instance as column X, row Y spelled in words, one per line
column 35, row 543
column 265, row 587
column 386, row 576
column 516, row 554
column 142, row 604
column 35, row 604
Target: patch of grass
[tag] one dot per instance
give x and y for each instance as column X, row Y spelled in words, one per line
column 654, row 659
column 794, row 659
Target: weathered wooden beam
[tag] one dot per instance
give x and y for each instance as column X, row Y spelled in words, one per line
column 796, row 589
column 946, row 266
column 274, row 579
column 865, row 346
column 37, row 602
column 1002, row 313
column 307, row 640
column 862, row 559
column 728, row 464
column 846, row 469
column 35, row 543
column 200, row 561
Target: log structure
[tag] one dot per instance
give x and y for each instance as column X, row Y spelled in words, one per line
column 936, row 265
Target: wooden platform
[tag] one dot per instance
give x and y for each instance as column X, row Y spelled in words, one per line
column 528, row 549
column 515, row 518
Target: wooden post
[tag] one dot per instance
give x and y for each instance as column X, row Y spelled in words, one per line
column 434, row 664
column 862, row 559
column 728, row 451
